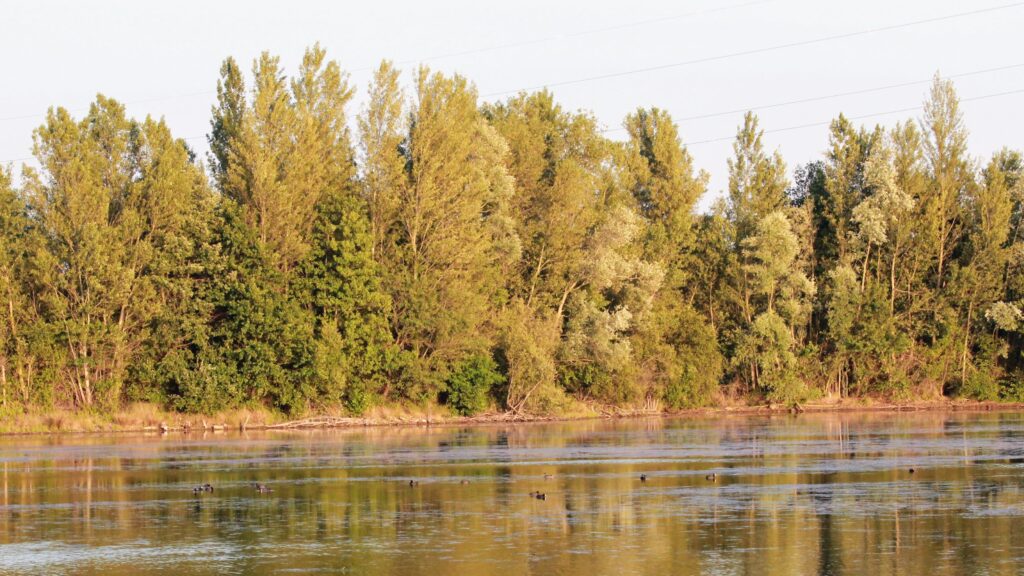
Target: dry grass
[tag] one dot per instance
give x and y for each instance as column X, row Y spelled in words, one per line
column 150, row 417
column 137, row 416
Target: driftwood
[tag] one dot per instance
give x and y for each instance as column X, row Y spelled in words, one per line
column 318, row 422
column 346, row 422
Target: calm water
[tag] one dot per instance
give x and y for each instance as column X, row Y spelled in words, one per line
column 814, row 494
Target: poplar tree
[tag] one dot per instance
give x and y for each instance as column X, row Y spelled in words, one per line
column 110, row 202
column 676, row 349
column 446, row 234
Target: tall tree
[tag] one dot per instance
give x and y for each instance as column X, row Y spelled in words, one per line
column 675, row 347
column 445, row 240
column 949, row 172
column 110, row 201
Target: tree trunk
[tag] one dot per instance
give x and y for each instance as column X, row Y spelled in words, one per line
column 967, row 341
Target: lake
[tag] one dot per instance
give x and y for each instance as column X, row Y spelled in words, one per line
column 807, row 494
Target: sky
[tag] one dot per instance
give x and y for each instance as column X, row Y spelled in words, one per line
column 705, row 61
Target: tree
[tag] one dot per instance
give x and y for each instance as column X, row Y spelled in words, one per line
column 949, row 172
column 14, row 228
column 676, row 350
column 447, row 236
column 110, row 203
column 382, row 136
column 781, row 293
column 559, row 162
column 757, row 181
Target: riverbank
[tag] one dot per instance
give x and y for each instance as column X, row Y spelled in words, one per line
column 141, row 417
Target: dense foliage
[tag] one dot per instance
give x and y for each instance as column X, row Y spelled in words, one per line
column 503, row 255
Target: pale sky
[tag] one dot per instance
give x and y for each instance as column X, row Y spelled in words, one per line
column 712, row 59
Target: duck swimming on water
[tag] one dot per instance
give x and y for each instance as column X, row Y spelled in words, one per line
column 263, row 488
column 202, row 488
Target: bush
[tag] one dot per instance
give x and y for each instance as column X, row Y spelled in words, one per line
column 1012, row 389
column 358, row 399
column 980, row 385
column 691, row 389
column 469, row 386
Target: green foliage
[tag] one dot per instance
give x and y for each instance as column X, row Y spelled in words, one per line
column 527, row 343
column 469, row 387
column 506, row 253
column 980, row 385
column 768, row 350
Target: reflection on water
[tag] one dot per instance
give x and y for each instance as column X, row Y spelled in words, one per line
column 825, row 494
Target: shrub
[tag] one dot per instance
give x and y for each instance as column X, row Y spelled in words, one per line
column 980, row 385
column 469, row 386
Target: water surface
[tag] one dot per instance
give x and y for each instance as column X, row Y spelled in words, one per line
column 810, row 494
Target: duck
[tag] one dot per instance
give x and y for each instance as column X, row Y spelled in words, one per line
column 643, row 477
column 262, row 488
column 911, row 471
column 464, row 482
column 541, row 496
column 549, row 476
column 414, row 483
column 202, row 488
column 712, row 477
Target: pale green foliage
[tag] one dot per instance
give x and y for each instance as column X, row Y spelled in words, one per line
column 881, row 213
column 507, row 252
column 444, row 229
column 770, row 255
column 768, row 349
column 783, row 292
column 528, row 341
column 1005, row 316
column 111, row 198
column 286, row 149
column 757, row 181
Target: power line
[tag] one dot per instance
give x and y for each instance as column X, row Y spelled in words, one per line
column 832, row 96
column 761, row 50
column 464, row 52
column 768, row 131
column 592, row 31
column 143, row 101
column 32, row 158
column 858, row 117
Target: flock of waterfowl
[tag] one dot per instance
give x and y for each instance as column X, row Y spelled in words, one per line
column 264, row 489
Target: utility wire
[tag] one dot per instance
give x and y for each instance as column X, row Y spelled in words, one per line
column 467, row 52
column 731, row 137
column 546, row 39
column 832, row 96
column 858, row 117
column 761, row 50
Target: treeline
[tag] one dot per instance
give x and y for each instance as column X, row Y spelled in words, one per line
column 499, row 255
